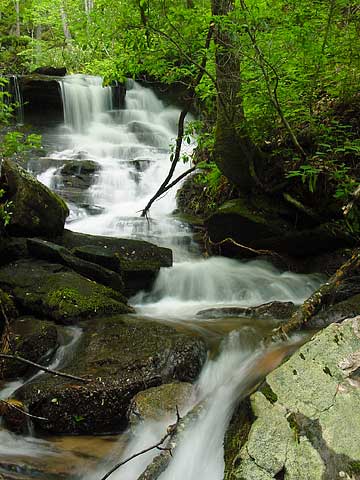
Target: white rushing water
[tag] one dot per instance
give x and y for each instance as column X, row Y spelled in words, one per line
column 132, row 147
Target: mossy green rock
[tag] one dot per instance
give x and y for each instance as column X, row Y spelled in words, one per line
column 32, row 339
column 36, row 211
column 122, row 356
column 139, row 262
column 159, row 402
column 52, row 290
column 311, row 427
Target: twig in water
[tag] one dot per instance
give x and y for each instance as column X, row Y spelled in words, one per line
column 169, row 432
column 45, row 369
column 10, row 405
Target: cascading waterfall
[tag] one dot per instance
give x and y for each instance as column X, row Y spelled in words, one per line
column 132, row 148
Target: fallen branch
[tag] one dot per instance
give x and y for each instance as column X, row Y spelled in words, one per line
column 18, row 409
column 240, row 245
column 171, row 430
column 326, row 295
column 45, row 369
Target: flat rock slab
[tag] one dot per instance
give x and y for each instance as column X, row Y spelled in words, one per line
column 308, row 415
column 275, row 310
column 54, row 291
column 138, row 261
column 122, row 356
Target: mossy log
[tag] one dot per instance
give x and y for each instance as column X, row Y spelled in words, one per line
column 341, row 286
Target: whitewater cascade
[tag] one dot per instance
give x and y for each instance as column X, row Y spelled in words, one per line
column 132, row 146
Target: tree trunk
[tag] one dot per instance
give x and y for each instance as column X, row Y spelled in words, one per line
column 64, row 22
column 234, row 153
column 17, row 10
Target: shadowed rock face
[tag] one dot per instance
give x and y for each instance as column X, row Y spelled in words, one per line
column 121, row 356
column 307, row 422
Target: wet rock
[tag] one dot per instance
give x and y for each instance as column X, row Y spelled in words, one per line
column 138, row 261
column 159, row 402
column 41, row 95
column 274, row 310
column 46, row 250
column 307, row 423
column 32, row 339
column 36, row 211
column 54, row 291
column 122, row 356
column 79, row 173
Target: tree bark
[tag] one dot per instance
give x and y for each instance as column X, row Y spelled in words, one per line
column 17, row 10
column 64, row 22
column 234, row 153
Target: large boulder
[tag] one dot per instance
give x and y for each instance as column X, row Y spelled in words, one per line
column 36, row 211
column 121, row 356
column 307, row 420
column 137, row 261
column 53, row 291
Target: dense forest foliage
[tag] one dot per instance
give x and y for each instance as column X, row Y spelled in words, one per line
column 275, row 83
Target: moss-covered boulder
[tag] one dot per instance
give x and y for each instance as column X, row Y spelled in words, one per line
column 138, row 262
column 54, row 291
column 157, row 403
column 307, row 420
column 32, row 339
column 242, row 224
column 36, row 211
column 121, row 356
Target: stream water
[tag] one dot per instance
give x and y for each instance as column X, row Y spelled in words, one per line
column 132, row 147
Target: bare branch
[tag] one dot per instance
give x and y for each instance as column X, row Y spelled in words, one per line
column 180, row 134
column 171, row 430
column 45, row 369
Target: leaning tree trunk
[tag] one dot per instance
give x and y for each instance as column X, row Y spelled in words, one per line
column 234, row 153
column 344, row 284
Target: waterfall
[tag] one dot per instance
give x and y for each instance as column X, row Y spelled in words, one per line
column 132, row 147
column 16, row 98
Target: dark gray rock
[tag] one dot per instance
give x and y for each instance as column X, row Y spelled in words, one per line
column 275, row 310
column 139, row 262
column 46, row 250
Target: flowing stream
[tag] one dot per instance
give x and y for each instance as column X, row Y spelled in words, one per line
column 132, row 147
